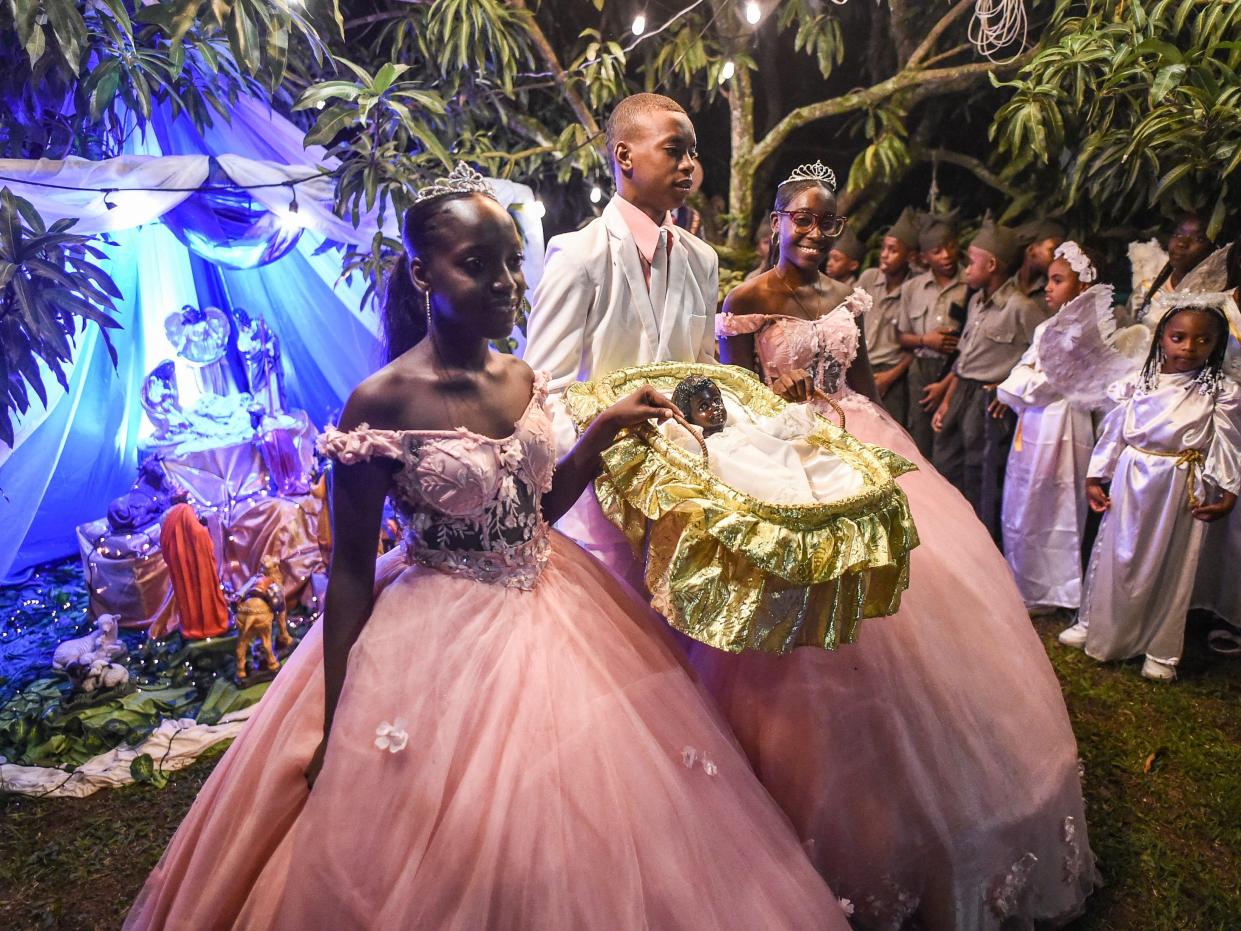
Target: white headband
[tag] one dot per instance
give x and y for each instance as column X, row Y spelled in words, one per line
column 1072, row 253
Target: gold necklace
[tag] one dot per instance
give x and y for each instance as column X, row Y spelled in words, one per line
column 793, row 295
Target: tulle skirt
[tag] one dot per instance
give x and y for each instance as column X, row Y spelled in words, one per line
column 930, row 768
column 499, row 759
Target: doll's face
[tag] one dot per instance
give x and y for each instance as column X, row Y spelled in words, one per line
column 706, row 410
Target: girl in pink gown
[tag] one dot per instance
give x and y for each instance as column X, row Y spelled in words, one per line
column 930, row 768
column 510, row 740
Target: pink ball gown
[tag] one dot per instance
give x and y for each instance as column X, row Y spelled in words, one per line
column 517, row 746
column 930, row 768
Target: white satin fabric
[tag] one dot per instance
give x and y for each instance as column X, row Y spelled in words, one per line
column 1141, row 576
column 770, row 459
column 1044, row 508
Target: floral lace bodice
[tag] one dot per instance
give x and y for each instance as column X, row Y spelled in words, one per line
column 825, row 347
column 471, row 504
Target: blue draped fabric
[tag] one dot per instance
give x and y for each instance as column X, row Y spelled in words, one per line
column 84, row 453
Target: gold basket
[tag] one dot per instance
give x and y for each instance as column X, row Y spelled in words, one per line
column 736, row 572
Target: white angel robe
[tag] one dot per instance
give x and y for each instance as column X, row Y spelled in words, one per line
column 1141, row 575
column 1043, row 515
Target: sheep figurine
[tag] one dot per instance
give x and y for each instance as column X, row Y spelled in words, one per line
column 102, row 643
column 98, row 676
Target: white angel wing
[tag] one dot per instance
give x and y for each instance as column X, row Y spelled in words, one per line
column 1082, row 351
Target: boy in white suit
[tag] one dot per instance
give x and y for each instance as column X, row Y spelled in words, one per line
column 627, row 288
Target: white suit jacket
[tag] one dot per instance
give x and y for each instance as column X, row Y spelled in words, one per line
column 592, row 313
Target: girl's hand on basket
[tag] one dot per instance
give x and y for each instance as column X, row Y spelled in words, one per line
column 794, row 386
column 642, row 405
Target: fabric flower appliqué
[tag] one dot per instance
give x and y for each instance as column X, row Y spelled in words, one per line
column 508, row 490
column 690, row 757
column 391, row 737
column 511, row 454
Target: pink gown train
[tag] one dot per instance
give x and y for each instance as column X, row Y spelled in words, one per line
column 518, row 745
column 930, row 768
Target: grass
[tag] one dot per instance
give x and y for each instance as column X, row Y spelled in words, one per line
column 1162, row 780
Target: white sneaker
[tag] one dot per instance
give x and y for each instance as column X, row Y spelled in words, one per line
column 1074, row 636
column 1158, row 670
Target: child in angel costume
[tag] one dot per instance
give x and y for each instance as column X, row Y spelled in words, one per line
column 499, row 734
column 929, row 768
column 1171, row 451
column 1044, row 515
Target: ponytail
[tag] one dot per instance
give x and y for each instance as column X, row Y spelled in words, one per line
column 404, row 317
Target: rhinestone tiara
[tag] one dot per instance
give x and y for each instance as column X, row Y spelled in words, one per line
column 816, row 172
column 461, row 180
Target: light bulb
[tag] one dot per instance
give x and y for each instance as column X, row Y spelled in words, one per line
column 537, row 210
column 727, row 72
column 753, row 13
column 596, row 194
column 639, row 24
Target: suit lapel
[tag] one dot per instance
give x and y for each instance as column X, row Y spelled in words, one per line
column 625, row 256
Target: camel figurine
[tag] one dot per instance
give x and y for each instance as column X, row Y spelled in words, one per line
column 259, row 608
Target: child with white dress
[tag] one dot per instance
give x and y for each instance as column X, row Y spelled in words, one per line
column 1172, row 451
column 1043, row 515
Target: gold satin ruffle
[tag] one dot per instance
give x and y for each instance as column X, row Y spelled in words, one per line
column 735, row 572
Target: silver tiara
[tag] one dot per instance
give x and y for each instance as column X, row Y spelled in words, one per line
column 461, row 180
column 816, row 172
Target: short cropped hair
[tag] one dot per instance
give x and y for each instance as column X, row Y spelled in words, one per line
column 629, row 114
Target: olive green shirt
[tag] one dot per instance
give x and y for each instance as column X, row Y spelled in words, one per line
column 879, row 324
column 924, row 308
column 997, row 333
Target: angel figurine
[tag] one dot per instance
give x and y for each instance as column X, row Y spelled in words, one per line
column 200, row 337
column 260, row 350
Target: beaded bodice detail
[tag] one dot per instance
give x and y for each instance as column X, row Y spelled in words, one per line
column 471, row 504
column 825, row 346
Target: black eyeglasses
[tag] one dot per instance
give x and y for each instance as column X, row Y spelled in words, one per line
column 806, row 220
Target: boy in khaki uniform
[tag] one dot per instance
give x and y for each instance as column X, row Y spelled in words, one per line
column 925, row 325
column 888, row 360
column 973, row 429
column 845, row 258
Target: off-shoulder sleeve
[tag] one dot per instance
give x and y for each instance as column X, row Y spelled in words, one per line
column 1223, row 465
column 859, row 302
column 738, row 324
column 359, row 444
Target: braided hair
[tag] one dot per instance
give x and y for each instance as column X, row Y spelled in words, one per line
column 1212, row 372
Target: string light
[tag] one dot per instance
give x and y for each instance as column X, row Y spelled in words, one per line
column 639, row 24
column 596, row 194
column 537, row 209
column 727, row 72
column 753, row 12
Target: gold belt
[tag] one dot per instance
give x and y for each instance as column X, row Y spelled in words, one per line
column 1192, row 459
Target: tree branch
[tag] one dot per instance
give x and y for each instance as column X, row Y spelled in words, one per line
column 576, row 103
column 928, row 44
column 921, row 84
column 944, row 56
column 971, row 164
column 900, row 20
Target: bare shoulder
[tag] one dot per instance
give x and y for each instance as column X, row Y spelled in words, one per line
column 749, row 297
column 386, row 398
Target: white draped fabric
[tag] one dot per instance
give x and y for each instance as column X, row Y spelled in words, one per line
column 86, row 438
